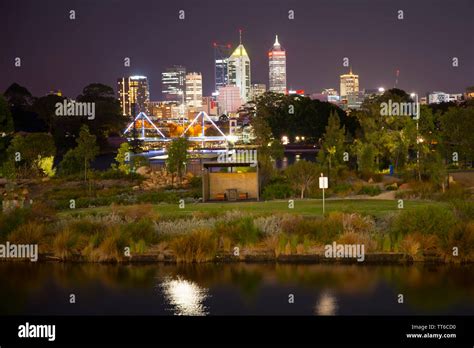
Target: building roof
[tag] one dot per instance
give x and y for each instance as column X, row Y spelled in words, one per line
column 239, row 52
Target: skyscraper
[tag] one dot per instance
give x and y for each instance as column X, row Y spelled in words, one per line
column 133, row 94
column 257, row 90
column 239, row 70
column 194, row 90
column 174, row 84
column 349, row 84
column 221, row 61
column 229, row 99
column 277, row 68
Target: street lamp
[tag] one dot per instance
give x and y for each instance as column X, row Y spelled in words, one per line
column 417, row 118
column 381, row 89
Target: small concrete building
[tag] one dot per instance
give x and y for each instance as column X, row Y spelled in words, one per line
column 230, row 182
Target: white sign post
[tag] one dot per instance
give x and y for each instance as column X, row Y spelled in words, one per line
column 323, row 184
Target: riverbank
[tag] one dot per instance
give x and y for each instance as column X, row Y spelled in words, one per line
column 422, row 231
column 251, row 257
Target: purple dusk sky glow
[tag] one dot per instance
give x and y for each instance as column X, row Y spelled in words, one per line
column 58, row 53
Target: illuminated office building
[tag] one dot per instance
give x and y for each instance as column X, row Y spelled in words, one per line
column 194, row 90
column 277, row 68
column 173, row 82
column 133, row 94
column 239, row 71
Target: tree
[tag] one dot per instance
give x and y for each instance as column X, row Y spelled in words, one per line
column 302, row 175
column 386, row 138
column 21, row 101
column 6, row 120
column 269, row 149
column 30, row 154
column 458, row 132
column 123, row 158
column 45, row 108
column 294, row 115
column 332, row 150
column 108, row 118
column 6, row 127
column 177, row 157
column 70, row 164
column 86, row 149
column 365, row 158
column 80, row 158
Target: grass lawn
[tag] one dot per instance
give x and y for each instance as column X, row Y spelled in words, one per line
column 309, row 207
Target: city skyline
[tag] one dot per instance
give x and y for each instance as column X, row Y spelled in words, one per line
column 315, row 58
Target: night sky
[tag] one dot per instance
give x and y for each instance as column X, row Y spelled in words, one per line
column 58, row 53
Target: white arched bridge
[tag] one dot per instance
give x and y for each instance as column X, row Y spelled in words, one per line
column 152, row 133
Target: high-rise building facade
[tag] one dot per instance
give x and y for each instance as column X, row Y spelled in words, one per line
column 209, row 106
column 239, row 71
column 133, row 94
column 257, row 90
column 194, row 90
column 277, row 68
column 173, row 82
column 349, row 84
column 229, row 99
column 221, row 61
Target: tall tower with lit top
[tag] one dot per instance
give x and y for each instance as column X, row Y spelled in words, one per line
column 277, row 68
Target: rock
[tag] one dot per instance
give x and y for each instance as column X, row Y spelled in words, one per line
column 135, row 188
column 143, row 170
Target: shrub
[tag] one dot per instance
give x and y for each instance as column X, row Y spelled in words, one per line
column 195, row 182
column 343, row 189
column 198, row 246
column 332, row 226
column 464, row 210
column 12, row 220
column 115, row 174
column 87, row 226
column 277, row 191
column 392, row 187
column 241, row 231
column 142, row 229
column 425, row 220
column 371, row 190
column 454, row 192
column 182, row 226
column 159, row 196
column 423, row 190
column 357, row 223
column 269, row 225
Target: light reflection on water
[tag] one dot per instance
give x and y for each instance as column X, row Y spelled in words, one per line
column 326, row 305
column 185, row 297
column 235, row 289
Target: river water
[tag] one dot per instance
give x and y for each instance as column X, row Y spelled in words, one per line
column 234, row 289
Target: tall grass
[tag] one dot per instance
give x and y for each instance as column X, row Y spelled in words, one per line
column 461, row 239
column 28, row 233
column 64, row 244
column 197, row 246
